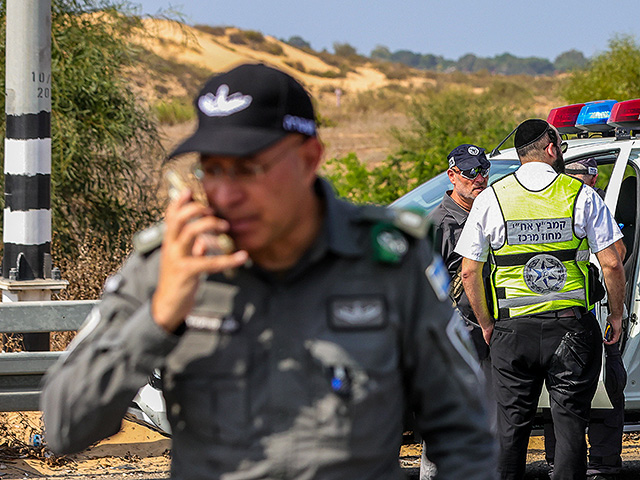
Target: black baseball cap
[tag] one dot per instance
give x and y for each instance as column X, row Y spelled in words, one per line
column 247, row 109
column 468, row 156
column 587, row 166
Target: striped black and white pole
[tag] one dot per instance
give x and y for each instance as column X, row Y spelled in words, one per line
column 26, row 262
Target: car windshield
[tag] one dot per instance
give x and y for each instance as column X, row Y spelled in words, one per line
column 428, row 195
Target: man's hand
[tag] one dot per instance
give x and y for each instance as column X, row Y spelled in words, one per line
column 613, row 273
column 616, row 326
column 487, row 333
column 183, row 259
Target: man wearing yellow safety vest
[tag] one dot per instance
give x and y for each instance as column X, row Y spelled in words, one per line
column 535, row 228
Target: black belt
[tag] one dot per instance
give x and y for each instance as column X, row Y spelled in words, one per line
column 577, row 312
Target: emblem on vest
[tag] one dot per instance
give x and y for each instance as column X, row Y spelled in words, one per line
column 544, row 273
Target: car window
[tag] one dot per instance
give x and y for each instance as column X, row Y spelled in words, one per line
column 606, row 161
column 428, row 195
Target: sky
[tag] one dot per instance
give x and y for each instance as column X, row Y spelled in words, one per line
column 449, row 28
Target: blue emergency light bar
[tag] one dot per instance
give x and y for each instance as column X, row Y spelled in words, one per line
column 593, row 117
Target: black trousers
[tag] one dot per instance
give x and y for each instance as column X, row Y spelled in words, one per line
column 606, row 426
column 565, row 354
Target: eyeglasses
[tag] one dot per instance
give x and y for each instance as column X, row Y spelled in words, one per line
column 553, row 139
column 472, row 173
column 244, row 169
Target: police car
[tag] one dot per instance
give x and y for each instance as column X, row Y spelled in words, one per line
column 609, row 132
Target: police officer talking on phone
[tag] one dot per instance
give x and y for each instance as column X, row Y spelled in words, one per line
column 296, row 355
column 535, row 227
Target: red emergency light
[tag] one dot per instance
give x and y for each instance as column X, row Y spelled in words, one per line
column 626, row 115
column 564, row 118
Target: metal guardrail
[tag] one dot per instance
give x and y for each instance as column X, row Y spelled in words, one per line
column 21, row 372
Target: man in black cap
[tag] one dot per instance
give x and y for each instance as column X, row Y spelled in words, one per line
column 535, row 227
column 586, row 170
column 299, row 363
column 468, row 172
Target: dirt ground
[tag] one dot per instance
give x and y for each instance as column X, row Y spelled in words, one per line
column 138, row 452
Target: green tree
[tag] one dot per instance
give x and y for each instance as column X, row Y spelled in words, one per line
column 467, row 62
column 570, row 60
column 344, row 50
column 438, row 124
column 298, row 42
column 380, row 53
column 105, row 148
column 614, row 74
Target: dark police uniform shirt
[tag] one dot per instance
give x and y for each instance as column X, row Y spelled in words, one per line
column 448, row 218
column 304, row 375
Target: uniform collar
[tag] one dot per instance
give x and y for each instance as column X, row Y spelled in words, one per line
column 533, row 168
column 339, row 233
column 458, row 213
column 536, row 175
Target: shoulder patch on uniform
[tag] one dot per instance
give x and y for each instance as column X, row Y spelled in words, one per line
column 147, row 240
column 438, row 277
column 389, row 244
column 411, row 222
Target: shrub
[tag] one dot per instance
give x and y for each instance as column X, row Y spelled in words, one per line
column 380, row 100
column 297, row 65
column 272, row 48
column 238, row 38
column 174, row 111
column 254, row 36
column 328, row 73
column 216, row 31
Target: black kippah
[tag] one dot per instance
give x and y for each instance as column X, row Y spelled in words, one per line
column 530, row 131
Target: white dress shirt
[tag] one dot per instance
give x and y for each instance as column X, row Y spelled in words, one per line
column 485, row 227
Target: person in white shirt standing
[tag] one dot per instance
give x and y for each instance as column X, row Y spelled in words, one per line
column 535, row 227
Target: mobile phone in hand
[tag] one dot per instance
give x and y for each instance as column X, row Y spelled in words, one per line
column 220, row 244
column 608, row 332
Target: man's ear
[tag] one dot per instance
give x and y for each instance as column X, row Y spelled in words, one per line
column 452, row 175
column 550, row 150
column 311, row 152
